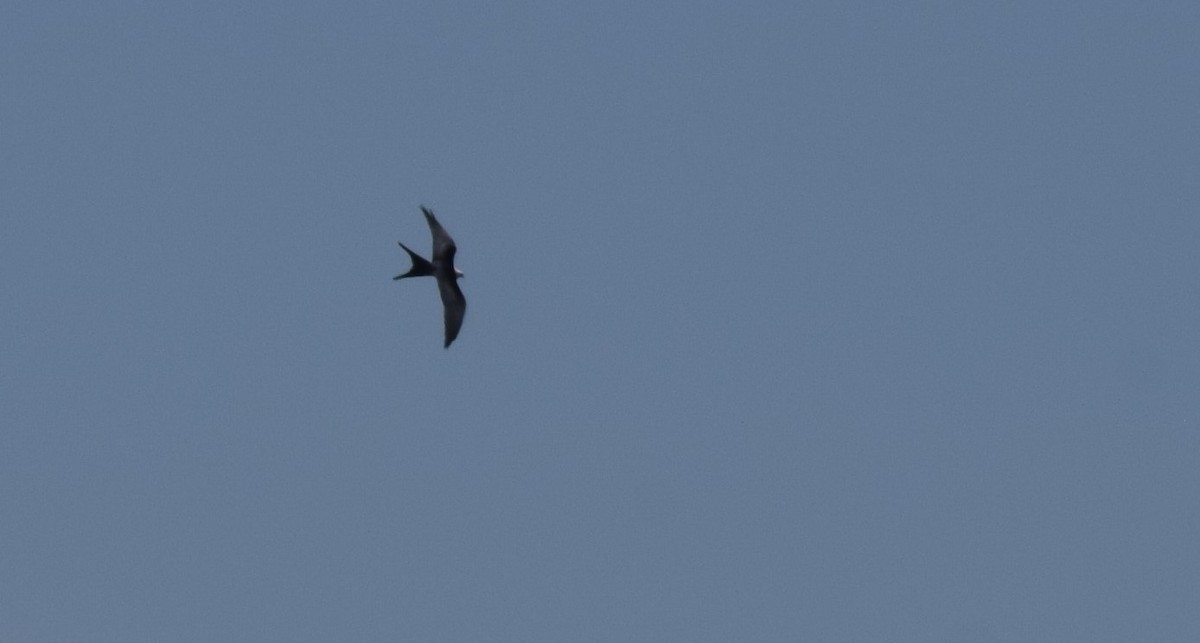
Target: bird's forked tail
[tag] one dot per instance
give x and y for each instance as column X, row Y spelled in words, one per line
column 420, row 267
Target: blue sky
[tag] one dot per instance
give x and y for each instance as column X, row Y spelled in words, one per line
column 787, row 322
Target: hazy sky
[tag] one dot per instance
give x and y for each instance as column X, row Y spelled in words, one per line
column 833, row 321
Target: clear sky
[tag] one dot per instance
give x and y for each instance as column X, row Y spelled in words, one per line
column 833, row 321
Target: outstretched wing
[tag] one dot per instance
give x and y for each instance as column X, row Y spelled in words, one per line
column 455, row 306
column 443, row 245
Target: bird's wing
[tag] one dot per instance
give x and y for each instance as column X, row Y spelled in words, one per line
column 443, row 245
column 455, row 306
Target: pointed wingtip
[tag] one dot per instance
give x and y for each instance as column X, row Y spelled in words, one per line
column 434, row 224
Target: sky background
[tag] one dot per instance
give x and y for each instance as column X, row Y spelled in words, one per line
column 835, row 321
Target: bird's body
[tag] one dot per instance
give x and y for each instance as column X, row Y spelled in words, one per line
column 441, row 268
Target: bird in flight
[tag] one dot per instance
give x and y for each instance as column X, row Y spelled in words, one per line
column 441, row 268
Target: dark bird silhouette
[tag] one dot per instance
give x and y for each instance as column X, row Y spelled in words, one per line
column 441, row 268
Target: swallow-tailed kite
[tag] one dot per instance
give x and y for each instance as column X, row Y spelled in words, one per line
column 442, row 268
